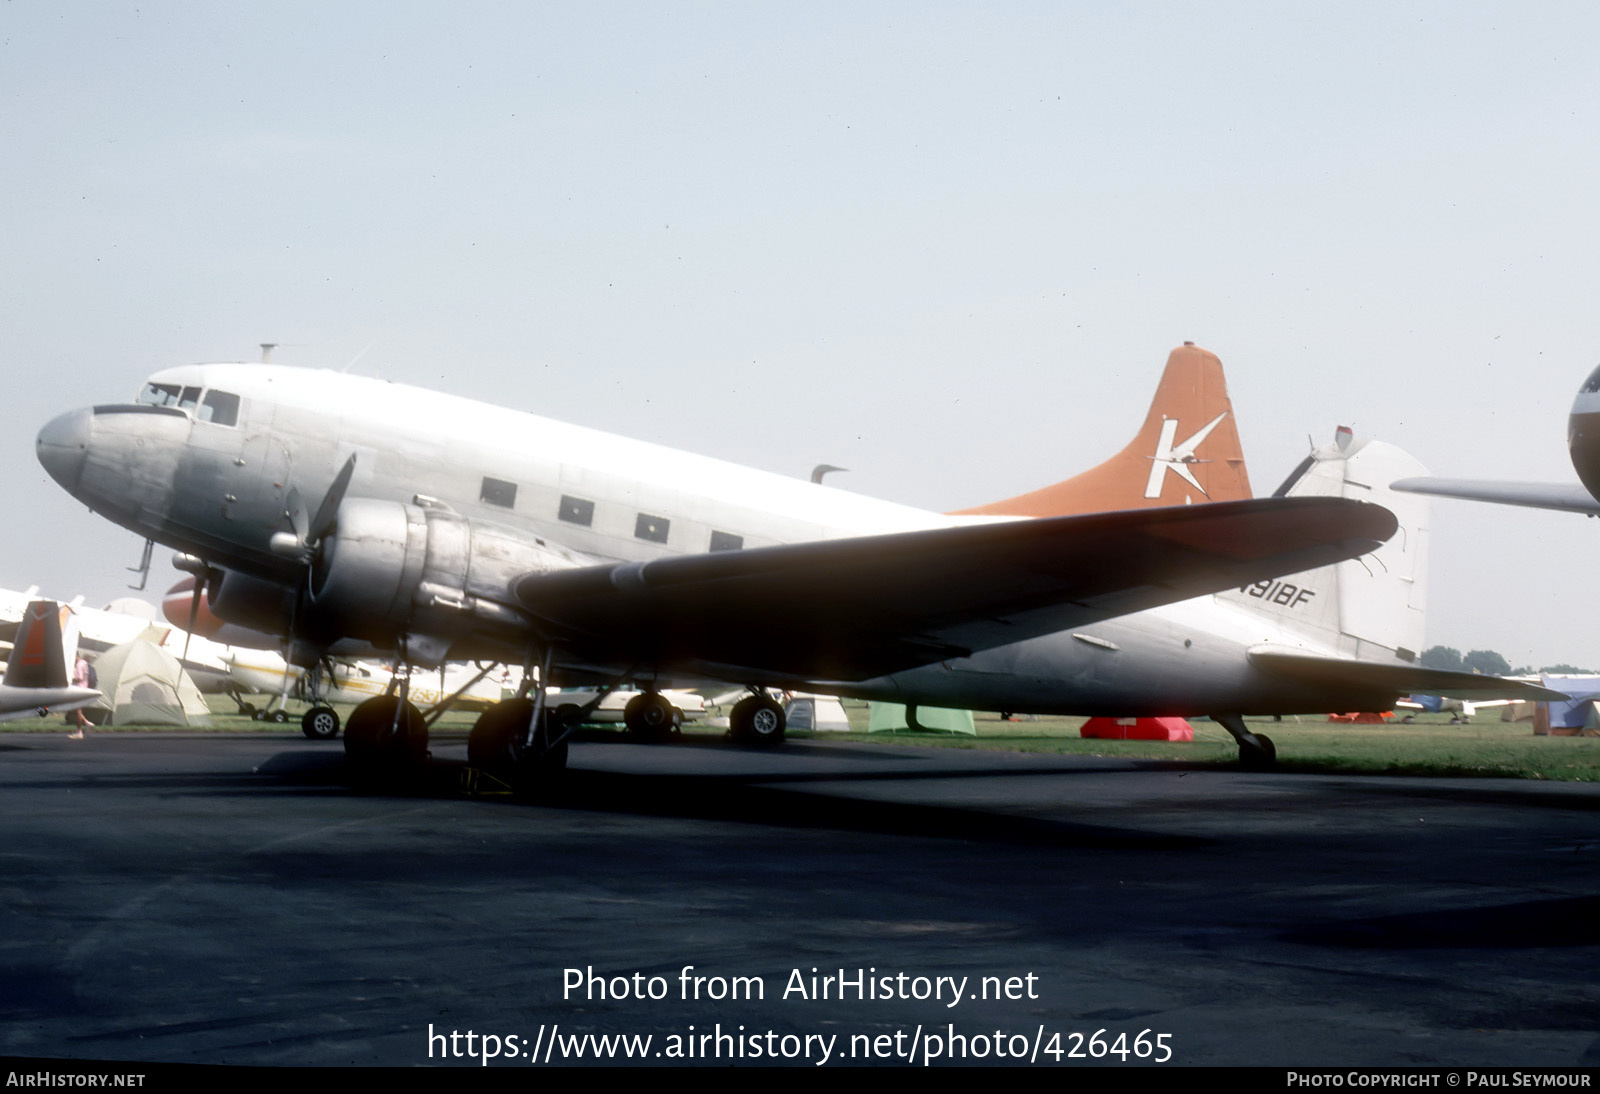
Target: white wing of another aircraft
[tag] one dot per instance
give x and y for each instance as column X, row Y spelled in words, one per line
column 1570, row 497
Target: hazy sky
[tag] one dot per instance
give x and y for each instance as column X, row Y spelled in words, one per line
column 946, row 247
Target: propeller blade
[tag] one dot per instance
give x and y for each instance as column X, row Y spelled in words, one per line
column 328, row 511
column 295, row 510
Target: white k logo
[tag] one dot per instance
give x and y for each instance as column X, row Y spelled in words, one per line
column 1170, row 458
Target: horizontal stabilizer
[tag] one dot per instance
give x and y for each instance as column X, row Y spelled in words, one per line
column 1394, row 679
column 851, row 609
column 1568, row 497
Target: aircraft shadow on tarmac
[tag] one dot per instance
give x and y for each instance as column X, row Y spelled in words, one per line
column 763, row 799
column 1567, row 921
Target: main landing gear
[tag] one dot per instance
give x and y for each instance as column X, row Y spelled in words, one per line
column 383, row 732
column 649, row 716
column 1256, row 750
column 499, row 745
column 757, row 720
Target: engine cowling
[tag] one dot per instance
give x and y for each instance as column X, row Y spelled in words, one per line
column 421, row 572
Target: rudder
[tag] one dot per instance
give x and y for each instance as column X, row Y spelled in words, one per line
column 1372, row 607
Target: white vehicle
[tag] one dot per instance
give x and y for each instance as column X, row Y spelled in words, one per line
column 591, row 706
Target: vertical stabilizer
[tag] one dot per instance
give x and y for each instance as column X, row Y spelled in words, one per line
column 40, row 657
column 1371, row 607
column 1187, row 452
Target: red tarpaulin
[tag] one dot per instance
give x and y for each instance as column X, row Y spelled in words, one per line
column 1138, row 729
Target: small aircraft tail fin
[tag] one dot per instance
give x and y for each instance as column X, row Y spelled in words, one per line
column 1187, row 452
column 46, row 644
column 1372, row 607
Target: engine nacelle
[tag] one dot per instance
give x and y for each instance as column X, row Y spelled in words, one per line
column 423, row 572
column 236, row 600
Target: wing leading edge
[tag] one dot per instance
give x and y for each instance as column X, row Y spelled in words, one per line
column 1569, row 497
column 852, row 609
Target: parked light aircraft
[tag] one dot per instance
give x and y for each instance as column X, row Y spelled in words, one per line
column 353, row 514
column 37, row 678
column 1583, row 446
column 343, row 680
column 99, row 629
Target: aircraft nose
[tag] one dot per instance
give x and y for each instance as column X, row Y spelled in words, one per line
column 63, row 445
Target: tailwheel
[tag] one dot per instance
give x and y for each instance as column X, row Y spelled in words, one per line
column 320, row 723
column 649, row 716
column 1256, row 750
column 386, row 730
column 1263, row 757
column 757, row 720
column 497, row 744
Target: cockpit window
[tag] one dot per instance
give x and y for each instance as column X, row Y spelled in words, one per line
column 189, row 399
column 1592, row 384
column 160, row 395
column 219, row 408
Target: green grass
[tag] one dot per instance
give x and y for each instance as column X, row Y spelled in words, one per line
column 1485, row 747
column 1430, row 746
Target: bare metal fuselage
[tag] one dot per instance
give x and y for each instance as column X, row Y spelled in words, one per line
column 221, row 491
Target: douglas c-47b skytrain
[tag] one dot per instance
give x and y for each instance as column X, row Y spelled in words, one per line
column 353, row 515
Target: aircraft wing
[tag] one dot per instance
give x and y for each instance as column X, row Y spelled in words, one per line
column 1570, row 497
column 1394, row 678
column 852, row 609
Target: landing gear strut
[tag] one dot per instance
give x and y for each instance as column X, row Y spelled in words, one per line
column 1256, row 750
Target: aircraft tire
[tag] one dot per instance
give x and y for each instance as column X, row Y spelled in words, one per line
column 496, row 736
column 757, row 720
column 279, row 716
column 320, row 723
column 372, row 736
column 495, row 745
column 649, row 716
column 1264, row 758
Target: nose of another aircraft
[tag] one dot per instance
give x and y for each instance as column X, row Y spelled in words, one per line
column 62, row 446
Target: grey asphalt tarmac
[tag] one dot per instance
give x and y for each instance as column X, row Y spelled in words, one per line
column 233, row 899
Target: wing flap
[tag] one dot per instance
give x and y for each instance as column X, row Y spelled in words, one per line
column 1569, row 497
column 851, row 609
column 1395, row 679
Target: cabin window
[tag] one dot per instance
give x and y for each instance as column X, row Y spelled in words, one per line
column 651, row 528
column 577, row 511
column 160, row 395
column 726, row 541
column 220, row 408
column 498, row 492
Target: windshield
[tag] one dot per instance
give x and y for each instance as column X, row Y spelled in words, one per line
column 160, row 394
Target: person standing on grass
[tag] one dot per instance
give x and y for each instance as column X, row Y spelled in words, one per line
column 81, row 677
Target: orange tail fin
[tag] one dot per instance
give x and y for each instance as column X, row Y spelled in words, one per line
column 1187, row 452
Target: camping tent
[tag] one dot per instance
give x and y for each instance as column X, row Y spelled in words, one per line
column 822, row 713
column 891, row 717
column 143, row 684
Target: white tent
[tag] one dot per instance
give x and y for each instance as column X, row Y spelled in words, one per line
column 822, row 713
column 143, row 684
